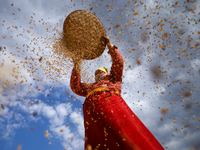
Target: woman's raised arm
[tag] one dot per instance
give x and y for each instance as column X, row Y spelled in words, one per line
column 117, row 60
column 117, row 64
column 75, row 83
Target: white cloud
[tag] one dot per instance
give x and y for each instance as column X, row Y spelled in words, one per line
column 63, row 109
column 77, row 119
column 49, row 112
column 10, row 130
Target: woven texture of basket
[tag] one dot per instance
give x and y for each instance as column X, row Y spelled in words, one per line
column 82, row 32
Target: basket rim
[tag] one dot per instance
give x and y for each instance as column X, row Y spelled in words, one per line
column 99, row 26
column 82, row 10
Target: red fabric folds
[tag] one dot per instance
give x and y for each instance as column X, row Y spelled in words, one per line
column 111, row 125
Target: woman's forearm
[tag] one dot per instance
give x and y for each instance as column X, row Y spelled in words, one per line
column 75, row 79
column 75, row 82
column 117, row 63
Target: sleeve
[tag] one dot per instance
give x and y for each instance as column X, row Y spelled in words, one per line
column 77, row 87
column 117, row 64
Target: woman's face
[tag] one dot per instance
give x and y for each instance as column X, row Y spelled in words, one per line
column 98, row 74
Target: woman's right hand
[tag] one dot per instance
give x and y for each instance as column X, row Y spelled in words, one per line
column 109, row 45
column 76, row 62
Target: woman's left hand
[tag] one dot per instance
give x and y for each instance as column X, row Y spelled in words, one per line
column 106, row 38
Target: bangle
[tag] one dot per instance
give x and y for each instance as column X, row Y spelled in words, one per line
column 111, row 50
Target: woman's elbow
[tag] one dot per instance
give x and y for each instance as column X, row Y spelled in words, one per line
column 72, row 87
column 121, row 62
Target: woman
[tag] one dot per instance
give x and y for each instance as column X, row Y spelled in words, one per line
column 109, row 123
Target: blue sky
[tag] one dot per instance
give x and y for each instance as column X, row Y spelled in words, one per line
column 159, row 41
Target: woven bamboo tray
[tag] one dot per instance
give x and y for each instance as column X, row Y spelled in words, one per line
column 82, row 32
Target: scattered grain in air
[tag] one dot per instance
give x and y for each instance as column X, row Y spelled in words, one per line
column 10, row 104
column 19, row 147
column 2, row 114
column 136, row 14
column 197, row 127
column 31, row 103
column 67, row 124
column 32, row 128
column 15, row 116
column 164, row 110
column 35, row 114
column 4, row 86
column 50, row 89
column 161, row 29
column 128, row 23
column 61, row 130
column 80, row 109
column 119, row 31
column 47, row 134
column 171, row 127
column 2, row 106
column 31, row 112
column 187, row 94
column 47, row 100
column 49, row 143
column 26, row 17
column 163, row 142
column 138, row 62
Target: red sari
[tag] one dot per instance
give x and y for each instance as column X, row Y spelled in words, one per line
column 109, row 122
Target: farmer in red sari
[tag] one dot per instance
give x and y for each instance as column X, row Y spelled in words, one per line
column 109, row 122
